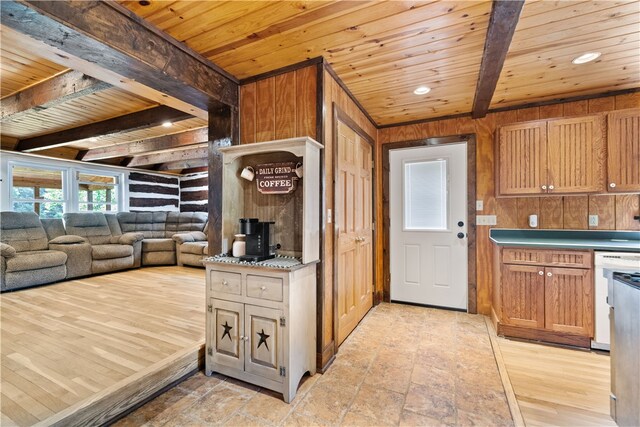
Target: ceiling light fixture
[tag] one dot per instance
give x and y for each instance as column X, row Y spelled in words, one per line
column 587, row 57
column 167, row 124
column 421, row 90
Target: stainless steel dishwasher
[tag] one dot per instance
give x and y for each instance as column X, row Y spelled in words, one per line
column 624, row 299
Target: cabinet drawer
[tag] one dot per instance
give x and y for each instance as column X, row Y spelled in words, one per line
column 226, row 283
column 576, row 259
column 264, row 287
column 523, row 256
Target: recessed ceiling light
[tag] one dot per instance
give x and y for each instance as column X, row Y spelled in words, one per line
column 421, row 90
column 167, row 124
column 587, row 57
column 93, row 139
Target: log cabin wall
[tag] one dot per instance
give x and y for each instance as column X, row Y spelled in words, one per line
column 194, row 194
column 615, row 211
column 148, row 192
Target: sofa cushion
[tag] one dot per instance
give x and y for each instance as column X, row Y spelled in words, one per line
column 158, row 245
column 196, row 248
column 67, row 240
column 111, row 251
column 23, row 231
column 182, row 222
column 54, row 227
column 33, row 260
column 91, row 225
column 150, row 224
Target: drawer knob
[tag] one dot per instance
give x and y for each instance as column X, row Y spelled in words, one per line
column 549, row 274
column 544, row 187
column 551, row 187
column 612, row 185
column 225, row 283
column 263, row 288
column 541, row 273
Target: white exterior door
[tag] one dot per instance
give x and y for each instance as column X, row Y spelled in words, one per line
column 428, row 210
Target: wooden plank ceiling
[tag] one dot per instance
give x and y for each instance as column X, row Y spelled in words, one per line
column 382, row 50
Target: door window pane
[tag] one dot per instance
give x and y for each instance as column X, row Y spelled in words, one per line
column 425, row 195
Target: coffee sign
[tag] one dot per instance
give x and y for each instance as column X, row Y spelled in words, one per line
column 276, row 178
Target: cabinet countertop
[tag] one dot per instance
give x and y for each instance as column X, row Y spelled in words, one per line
column 623, row 241
column 279, row 264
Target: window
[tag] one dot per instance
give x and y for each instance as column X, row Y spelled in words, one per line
column 97, row 193
column 425, row 195
column 37, row 190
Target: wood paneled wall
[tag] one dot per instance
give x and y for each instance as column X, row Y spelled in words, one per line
column 334, row 94
column 279, row 107
column 614, row 211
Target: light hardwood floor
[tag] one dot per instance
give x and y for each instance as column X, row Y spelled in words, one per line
column 68, row 346
column 558, row 386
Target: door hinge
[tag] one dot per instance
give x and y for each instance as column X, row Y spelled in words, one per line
column 210, row 308
column 210, row 351
column 283, row 321
column 283, row 371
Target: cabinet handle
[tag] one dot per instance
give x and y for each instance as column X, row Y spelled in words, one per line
column 241, row 337
column 541, row 273
column 225, row 283
column 549, row 274
column 551, row 187
column 544, row 187
column 263, row 288
column 612, row 185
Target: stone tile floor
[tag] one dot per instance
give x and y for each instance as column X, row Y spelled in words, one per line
column 403, row 365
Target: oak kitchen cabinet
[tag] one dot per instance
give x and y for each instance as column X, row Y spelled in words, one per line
column 559, row 156
column 546, row 295
column 623, row 146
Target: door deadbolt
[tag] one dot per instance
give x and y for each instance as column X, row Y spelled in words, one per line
column 460, row 224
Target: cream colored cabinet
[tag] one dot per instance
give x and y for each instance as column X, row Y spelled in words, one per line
column 560, row 156
column 623, row 146
column 261, row 324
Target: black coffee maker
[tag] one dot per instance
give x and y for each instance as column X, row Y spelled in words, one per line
column 258, row 238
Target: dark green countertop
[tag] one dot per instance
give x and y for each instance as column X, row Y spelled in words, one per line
column 620, row 241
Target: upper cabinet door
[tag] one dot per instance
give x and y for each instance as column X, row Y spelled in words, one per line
column 624, row 151
column 522, row 158
column 576, row 155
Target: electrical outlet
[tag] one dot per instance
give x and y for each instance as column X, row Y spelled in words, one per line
column 479, row 205
column 486, row 220
column 593, row 220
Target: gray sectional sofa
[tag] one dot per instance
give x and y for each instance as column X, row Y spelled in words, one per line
column 36, row 251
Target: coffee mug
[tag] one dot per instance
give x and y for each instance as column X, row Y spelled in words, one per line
column 248, row 173
column 299, row 170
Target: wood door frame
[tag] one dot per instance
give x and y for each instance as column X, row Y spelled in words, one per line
column 339, row 115
column 470, row 140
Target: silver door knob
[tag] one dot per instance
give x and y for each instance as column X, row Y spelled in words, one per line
column 549, row 274
column 544, row 187
column 551, row 187
column 612, row 185
column 541, row 273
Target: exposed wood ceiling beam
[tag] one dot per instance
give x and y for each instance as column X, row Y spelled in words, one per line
column 49, row 93
column 105, row 41
column 200, row 151
column 127, row 123
column 502, row 25
column 197, row 165
column 164, row 142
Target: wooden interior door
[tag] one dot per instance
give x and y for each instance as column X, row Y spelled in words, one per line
column 522, row 158
column 568, row 294
column 576, row 155
column 623, row 145
column 523, row 295
column 354, row 243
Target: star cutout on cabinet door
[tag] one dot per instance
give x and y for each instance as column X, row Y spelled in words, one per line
column 227, row 329
column 263, row 339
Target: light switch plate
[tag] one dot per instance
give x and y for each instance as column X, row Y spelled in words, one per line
column 479, row 205
column 486, row 220
column 593, row 220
